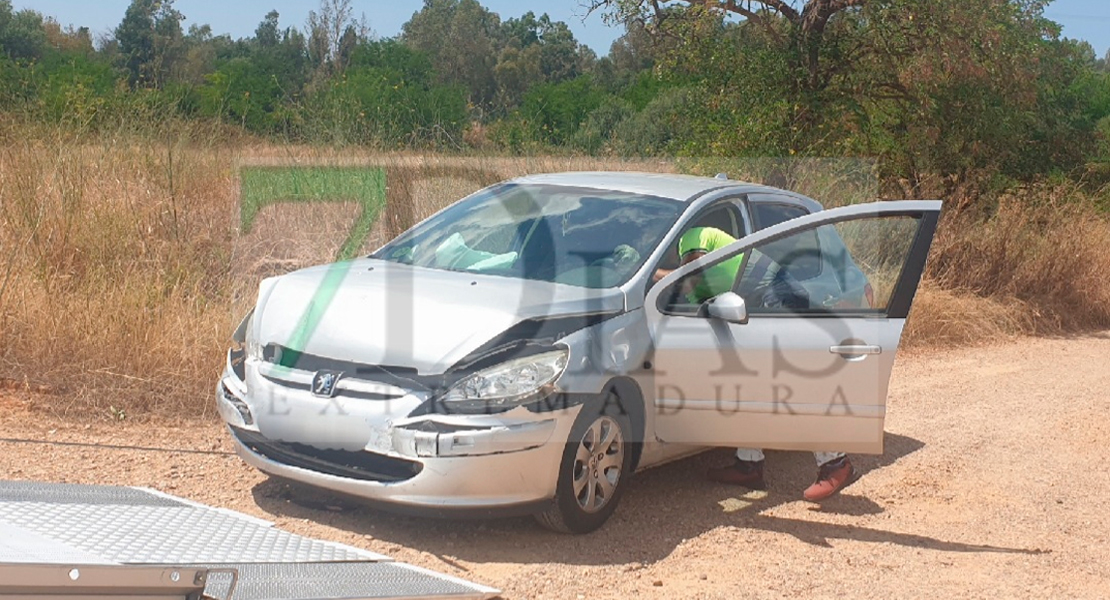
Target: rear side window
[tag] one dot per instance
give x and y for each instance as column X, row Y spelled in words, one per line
column 801, row 251
column 768, row 214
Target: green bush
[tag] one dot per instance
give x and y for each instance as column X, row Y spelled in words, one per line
column 551, row 113
column 387, row 97
column 663, row 127
column 595, row 136
column 75, row 89
column 240, row 93
column 1102, row 130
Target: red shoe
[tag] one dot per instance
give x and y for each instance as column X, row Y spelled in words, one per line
column 746, row 473
column 831, row 478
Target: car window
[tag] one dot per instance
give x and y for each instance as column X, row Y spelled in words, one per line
column 769, row 214
column 860, row 262
column 874, row 253
column 563, row 234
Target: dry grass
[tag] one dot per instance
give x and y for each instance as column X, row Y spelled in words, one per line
column 115, row 260
column 122, row 272
column 1042, row 254
column 950, row 319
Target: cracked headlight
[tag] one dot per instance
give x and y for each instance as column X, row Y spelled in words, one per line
column 508, row 384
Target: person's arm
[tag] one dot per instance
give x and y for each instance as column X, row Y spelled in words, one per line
column 689, row 257
column 660, row 274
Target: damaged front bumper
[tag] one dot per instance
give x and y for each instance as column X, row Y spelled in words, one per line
column 491, row 464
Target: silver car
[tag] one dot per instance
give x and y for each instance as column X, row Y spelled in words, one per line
column 528, row 348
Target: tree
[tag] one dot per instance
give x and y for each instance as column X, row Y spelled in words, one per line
column 135, row 39
column 771, row 72
column 971, row 89
column 21, row 33
column 557, row 51
column 347, row 44
column 461, row 38
column 257, row 80
column 798, row 33
column 332, row 34
column 267, row 34
column 199, row 58
column 240, row 92
column 553, row 112
column 941, row 89
column 169, row 47
column 633, row 52
column 280, row 54
column 536, row 50
column 517, row 70
column 150, row 41
column 67, row 39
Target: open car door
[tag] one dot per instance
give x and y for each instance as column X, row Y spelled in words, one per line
column 797, row 354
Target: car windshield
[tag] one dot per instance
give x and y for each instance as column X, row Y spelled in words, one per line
column 562, row 234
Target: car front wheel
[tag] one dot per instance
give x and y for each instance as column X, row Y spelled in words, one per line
column 593, row 473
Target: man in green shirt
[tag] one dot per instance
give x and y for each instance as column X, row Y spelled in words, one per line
column 714, row 281
column 718, row 279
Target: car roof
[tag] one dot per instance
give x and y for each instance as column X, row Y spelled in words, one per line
column 664, row 185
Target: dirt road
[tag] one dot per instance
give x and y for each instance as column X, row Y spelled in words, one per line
column 994, row 484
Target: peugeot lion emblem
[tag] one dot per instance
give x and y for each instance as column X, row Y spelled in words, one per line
column 323, row 383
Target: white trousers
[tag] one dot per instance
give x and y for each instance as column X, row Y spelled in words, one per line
column 755, row 454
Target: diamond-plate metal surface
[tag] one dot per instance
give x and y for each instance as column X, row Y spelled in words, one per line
column 171, row 535
column 68, row 493
column 323, row 581
column 77, row 524
column 19, row 545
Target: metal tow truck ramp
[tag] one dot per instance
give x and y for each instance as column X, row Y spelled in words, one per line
column 92, row 542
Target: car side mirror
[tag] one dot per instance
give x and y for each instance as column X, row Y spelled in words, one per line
column 729, row 307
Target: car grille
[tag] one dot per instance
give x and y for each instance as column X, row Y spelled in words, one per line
column 342, row 393
column 402, row 377
column 364, row 466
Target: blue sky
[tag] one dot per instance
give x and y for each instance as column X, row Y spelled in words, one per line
column 1084, row 20
column 1081, row 19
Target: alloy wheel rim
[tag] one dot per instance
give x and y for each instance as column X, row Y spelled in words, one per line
column 597, row 464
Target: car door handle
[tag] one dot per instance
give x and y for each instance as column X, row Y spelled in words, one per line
column 855, row 350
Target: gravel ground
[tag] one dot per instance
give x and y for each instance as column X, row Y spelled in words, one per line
column 993, row 484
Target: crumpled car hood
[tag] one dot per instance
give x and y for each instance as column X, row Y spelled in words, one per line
column 375, row 312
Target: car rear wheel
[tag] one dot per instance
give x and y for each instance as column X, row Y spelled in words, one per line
column 595, row 468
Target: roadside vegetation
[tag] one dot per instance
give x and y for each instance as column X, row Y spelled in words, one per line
column 122, row 268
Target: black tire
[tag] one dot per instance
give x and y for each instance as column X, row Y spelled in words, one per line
column 592, row 479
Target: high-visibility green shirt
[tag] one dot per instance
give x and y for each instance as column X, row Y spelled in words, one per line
column 719, row 278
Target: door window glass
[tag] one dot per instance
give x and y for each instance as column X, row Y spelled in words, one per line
column 871, row 252
column 850, row 266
